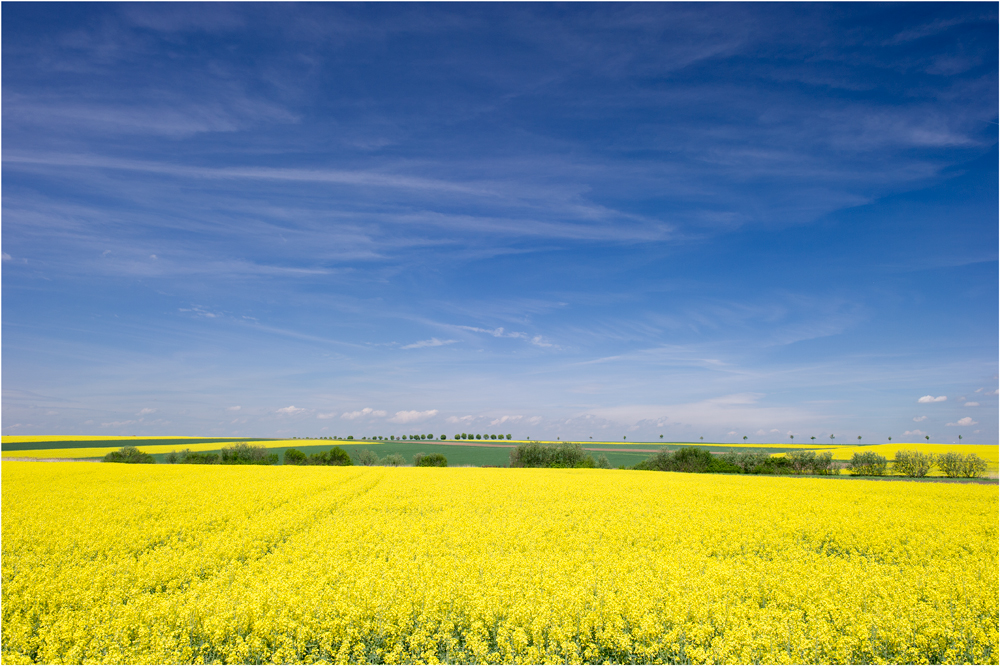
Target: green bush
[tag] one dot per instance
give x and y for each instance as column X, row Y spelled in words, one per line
column 430, row 460
column 749, row 460
column 334, row 457
column 955, row 465
column 688, row 459
column 867, row 463
column 801, row 461
column 367, row 458
column 294, row 457
column 242, row 453
column 393, row 460
column 823, row 464
column 564, row 455
column 602, row 462
column 129, row 454
column 189, row 457
column 913, row 463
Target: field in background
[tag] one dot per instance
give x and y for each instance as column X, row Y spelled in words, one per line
column 185, row 563
column 475, row 453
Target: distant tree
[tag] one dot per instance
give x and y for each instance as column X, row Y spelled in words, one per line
column 661, row 436
column 959, row 439
column 479, row 436
column 812, row 438
column 791, row 437
column 493, row 436
column 832, row 437
column 744, row 438
column 444, row 437
column 859, row 439
column 508, row 435
column 702, row 438
column 430, row 436
column 890, row 439
column 457, row 437
column 927, row 437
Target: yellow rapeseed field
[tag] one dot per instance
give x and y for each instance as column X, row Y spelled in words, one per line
column 178, row 564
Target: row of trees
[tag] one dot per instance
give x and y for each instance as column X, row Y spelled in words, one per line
column 471, row 436
column 918, row 464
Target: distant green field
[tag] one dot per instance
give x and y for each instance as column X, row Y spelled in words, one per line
column 457, row 455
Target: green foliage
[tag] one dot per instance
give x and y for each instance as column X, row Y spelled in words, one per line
column 393, row 460
column 823, row 465
column 244, row 454
column 336, row 457
column 564, row 455
column 129, row 454
column 747, row 461
column 956, row 465
column 689, row 459
column 867, row 463
column 913, row 463
column 602, row 462
column 294, row 457
column 189, row 457
column 801, row 461
column 430, row 460
column 367, row 458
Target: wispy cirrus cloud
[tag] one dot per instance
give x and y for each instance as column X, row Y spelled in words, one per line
column 359, row 413
column 433, row 342
column 413, row 416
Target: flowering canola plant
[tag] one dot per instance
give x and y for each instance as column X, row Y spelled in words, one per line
column 201, row 563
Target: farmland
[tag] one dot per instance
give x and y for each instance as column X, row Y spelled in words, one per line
column 183, row 564
column 474, row 453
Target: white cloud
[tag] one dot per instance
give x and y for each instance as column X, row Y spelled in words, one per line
column 737, row 410
column 88, row 422
column 234, row 408
column 761, row 432
column 972, row 404
column 775, row 430
column 6, row 257
column 535, row 420
column 152, row 256
column 412, row 415
column 504, row 419
column 367, row 411
column 291, row 409
column 914, row 432
column 331, row 415
column 979, row 390
column 433, row 342
column 732, row 432
column 930, row 398
column 967, row 421
column 918, row 419
column 996, row 392
column 115, row 424
column 976, row 432
column 145, row 410
column 459, row 419
column 538, row 341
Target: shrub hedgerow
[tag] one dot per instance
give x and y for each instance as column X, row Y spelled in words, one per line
column 867, row 463
column 430, row 460
column 242, row 453
column 564, row 455
column 913, row 463
column 954, row 465
column 129, row 454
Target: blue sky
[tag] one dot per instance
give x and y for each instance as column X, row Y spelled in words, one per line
column 600, row 220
